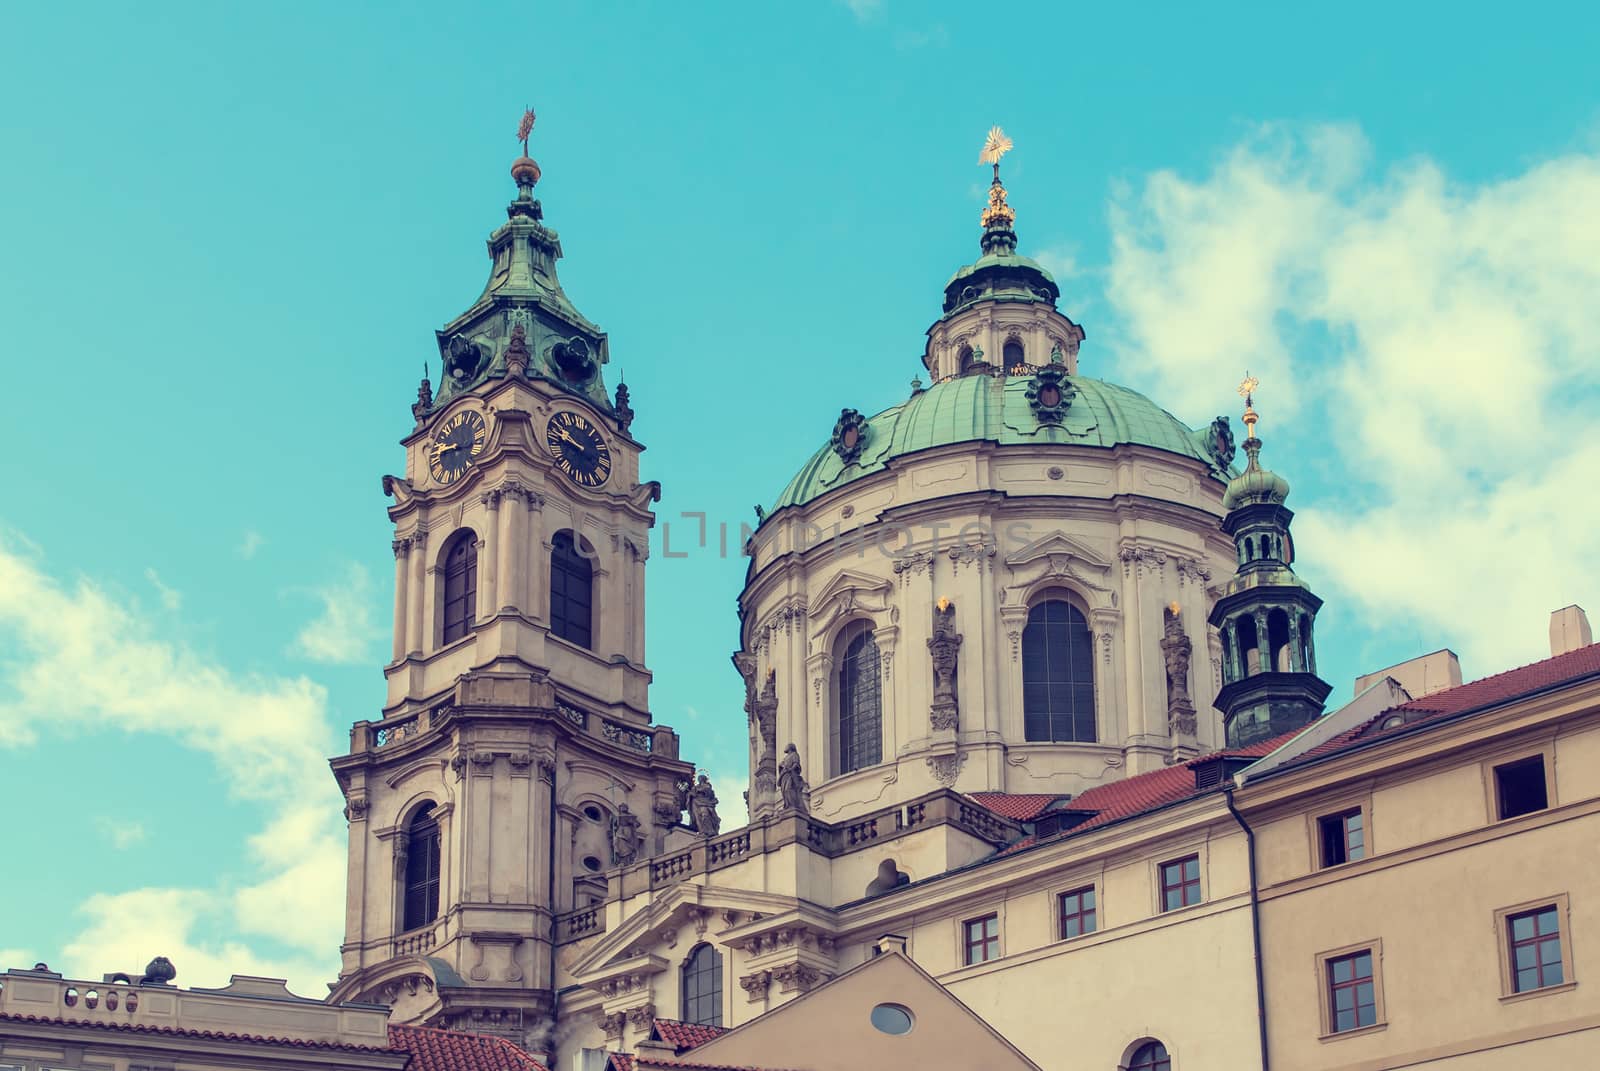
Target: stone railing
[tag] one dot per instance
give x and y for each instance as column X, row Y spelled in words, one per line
column 240, row 1007
column 389, row 733
column 943, row 807
column 580, row 923
column 416, row 942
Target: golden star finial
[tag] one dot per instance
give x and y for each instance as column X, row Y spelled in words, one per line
column 995, row 146
column 1247, row 390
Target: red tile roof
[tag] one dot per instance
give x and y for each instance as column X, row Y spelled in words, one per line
column 173, row 1031
column 452, row 1050
column 1484, row 692
column 1020, row 807
column 1135, row 795
column 684, row 1036
column 637, row 1062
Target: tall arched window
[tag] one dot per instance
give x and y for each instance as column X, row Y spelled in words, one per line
column 571, row 591
column 1057, row 674
column 702, row 986
column 964, row 360
column 1011, row 353
column 858, row 720
column 460, row 586
column 420, row 896
column 1151, row 1056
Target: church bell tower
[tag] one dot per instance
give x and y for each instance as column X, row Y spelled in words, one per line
column 515, row 761
column 1265, row 616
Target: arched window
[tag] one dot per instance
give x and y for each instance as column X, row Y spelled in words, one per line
column 964, row 360
column 1151, row 1056
column 1011, row 353
column 460, row 586
column 702, row 986
column 1057, row 674
column 858, row 721
column 571, row 591
column 420, row 900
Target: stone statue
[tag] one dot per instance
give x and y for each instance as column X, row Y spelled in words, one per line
column 703, row 807
column 625, row 836
column 792, row 787
column 946, row 641
column 1175, row 652
column 517, row 354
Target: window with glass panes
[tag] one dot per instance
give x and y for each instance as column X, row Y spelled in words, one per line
column 1535, row 946
column 1344, row 839
column 982, row 939
column 1352, row 995
column 420, row 896
column 858, row 721
column 702, row 987
column 1151, row 1056
column 1057, row 674
column 1077, row 912
column 571, row 591
column 460, row 586
column 1180, row 883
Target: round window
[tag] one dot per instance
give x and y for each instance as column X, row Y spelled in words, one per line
column 591, row 862
column 891, row 1019
column 592, row 813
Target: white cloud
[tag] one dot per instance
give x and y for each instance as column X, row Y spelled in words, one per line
column 865, row 10
column 249, row 544
column 344, row 632
column 170, row 598
column 79, row 660
column 121, row 832
column 19, row 958
column 1435, row 337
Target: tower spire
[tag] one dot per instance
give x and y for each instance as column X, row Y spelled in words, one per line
column 998, row 217
column 1269, row 672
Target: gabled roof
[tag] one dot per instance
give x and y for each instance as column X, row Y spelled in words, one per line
column 451, row 1050
column 684, row 1036
column 1485, row 692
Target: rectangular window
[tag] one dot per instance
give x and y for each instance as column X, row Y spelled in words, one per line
column 982, row 939
column 1180, row 883
column 1343, row 837
column 1534, row 948
column 1519, row 787
column 1077, row 912
column 1352, row 992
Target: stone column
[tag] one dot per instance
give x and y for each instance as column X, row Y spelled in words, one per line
column 509, row 595
column 1263, row 643
column 494, row 547
column 1295, row 664
column 402, row 549
column 418, row 597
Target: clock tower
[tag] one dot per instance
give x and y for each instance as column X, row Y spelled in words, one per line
column 514, row 762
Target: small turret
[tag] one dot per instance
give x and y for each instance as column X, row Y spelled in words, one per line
column 1269, row 663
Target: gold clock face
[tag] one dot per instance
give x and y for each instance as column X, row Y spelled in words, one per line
column 455, row 446
column 579, row 448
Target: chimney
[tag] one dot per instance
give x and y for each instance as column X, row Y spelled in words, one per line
column 1421, row 676
column 1569, row 630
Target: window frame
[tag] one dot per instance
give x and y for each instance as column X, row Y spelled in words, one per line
column 1133, row 1051
column 403, row 920
column 467, row 538
column 1058, row 899
column 964, row 931
column 844, row 640
column 1075, row 605
column 568, row 621
column 1339, row 808
column 1515, row 757
column 1324, row 964
column 684, row 974
column 1161, row 880
column 1502, row 923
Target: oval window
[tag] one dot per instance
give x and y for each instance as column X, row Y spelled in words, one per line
column 591, row 862
column 592, row 813
column 891, row 1019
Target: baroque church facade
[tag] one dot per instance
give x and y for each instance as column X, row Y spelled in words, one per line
column 1003, row 715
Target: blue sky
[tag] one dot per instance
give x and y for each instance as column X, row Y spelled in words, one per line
column 230, row 231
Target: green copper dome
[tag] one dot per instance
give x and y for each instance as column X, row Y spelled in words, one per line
column 980, row 408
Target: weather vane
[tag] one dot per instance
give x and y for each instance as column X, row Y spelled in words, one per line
column 525, row 130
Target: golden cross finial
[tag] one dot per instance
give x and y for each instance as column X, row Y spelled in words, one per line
column 1247, row 390
column 525, row 129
